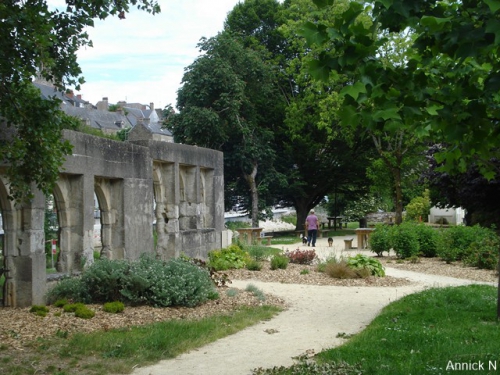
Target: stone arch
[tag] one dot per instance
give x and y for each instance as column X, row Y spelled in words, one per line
column 68, row 200
column 109, row 194
column 166, row 211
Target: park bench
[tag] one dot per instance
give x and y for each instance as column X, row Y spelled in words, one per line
column 268, row 238
column 348, row 243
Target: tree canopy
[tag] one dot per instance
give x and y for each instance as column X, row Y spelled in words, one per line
column 39, row 41
column 446, row 88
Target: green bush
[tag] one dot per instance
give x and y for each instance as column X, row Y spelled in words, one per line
column 455, row 241
column 72, row 307
column 279, row 262
column 380, row 239
column 418, row 208
column 103, row 280
column 39, row 310
column 147, row 281
column 70, row 288
column 483, row 253
column 405, row 240
column 114, row 307
column 428, row 239
column 173, row 283
column 227, row 258
column 360, row 262
column 61, row 302
column 84, row 312
column 253, row 265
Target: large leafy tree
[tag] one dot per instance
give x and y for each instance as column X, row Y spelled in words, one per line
column 225, row 103
column 39, row 41
column 447, row 86
column 315, row 159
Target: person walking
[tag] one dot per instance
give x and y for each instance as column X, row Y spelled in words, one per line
column 312, row 226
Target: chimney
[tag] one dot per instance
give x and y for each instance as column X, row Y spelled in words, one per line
column 79, row 96
column 152, row 106
column 70, row 94
column 103, row 104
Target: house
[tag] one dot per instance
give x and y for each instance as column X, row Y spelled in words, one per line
column 125, row 116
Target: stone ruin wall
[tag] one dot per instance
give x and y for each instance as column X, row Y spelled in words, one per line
column 177, row 189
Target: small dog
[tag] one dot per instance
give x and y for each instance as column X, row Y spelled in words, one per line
column 304, row 240
column 330, row 241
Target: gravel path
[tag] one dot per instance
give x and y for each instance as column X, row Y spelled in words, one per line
column 317, row 314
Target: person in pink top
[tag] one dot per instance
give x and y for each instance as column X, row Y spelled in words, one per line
column 312, row 226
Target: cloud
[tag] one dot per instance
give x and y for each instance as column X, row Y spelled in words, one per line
column 142, row 58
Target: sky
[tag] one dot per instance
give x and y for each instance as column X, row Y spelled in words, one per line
column 141, row 59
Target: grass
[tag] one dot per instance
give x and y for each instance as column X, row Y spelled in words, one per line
column 426, row 333
column 120, row 350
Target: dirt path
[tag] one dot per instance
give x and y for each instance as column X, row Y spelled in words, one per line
column 317, row 314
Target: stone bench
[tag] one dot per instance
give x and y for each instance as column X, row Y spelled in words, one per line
column 348, row 243
column 268, row 238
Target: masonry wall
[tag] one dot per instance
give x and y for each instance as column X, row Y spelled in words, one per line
column 141, row 186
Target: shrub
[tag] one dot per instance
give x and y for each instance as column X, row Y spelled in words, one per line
column 70, row 288
column 84, row 312
column 380, row 239
column 253, row 265
column 419, row 207
column 72, row 307
column 428, row 238
column 279, row 262
column 230, row 257
column 39, row 310
column 301, row 256
column 256, row 292
column 61, row 302
column 484, row 252
column 340, row 270
column 114, row 307
column 455, row 241
column 360, row 262
column 258, row 252
column 103, row 280
column 405, row 240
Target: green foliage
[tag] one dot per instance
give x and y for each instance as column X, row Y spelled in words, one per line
column 279, row 261
column 358, row 209
column 419, row 208
column 72, row 307
column 39, row 310
column 69, row 288
column 84, row 313
column 233, row 225
column 312, row 368
column 230, row 257
column 44, row 46
column 147, row 281
column 290, row 219
column 104, row 279
column 405, row 241
column 114, row 307
column 380, row 239
column 253, row 265
column 428, row 239
column 361, row 261
column 61, row 302
column 301, row 256
column 256, row 292
column 455, row 241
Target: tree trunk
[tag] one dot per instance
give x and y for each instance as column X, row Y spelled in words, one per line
column 252, row 184
column 396, row 172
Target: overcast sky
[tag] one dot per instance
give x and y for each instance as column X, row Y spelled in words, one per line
column 142, row 58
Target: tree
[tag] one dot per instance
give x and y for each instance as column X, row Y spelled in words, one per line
column 447, row 86
column 224, row 104
column 37, row 41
